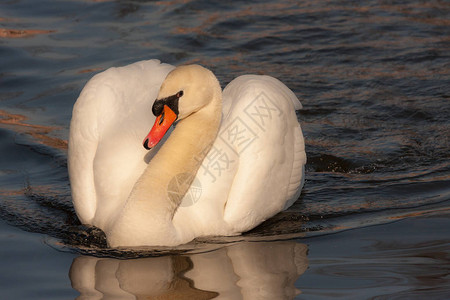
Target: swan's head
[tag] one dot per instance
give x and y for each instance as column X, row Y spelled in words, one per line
column 186, row 90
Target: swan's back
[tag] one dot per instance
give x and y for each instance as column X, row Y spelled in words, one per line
column 110, row 118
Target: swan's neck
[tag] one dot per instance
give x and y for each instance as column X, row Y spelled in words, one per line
column 170, row 173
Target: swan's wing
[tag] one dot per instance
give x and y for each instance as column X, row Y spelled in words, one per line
column 261, row 127
column 255, row 167
column 109, row 121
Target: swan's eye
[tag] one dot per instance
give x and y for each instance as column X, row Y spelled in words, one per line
column 179, row 94
column 162, row 118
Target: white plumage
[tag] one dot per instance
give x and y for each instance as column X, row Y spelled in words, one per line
column 254, row 169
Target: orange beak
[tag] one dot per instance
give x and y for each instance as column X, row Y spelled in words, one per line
column 159, row 129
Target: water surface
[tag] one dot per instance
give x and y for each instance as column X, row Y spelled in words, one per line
column 373, row 77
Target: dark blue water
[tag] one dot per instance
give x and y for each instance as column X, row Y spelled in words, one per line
column 373, row 77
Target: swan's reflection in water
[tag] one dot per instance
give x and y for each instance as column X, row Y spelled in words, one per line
column 246, row 270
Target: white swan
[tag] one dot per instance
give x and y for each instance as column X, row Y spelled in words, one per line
column 233, row 160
